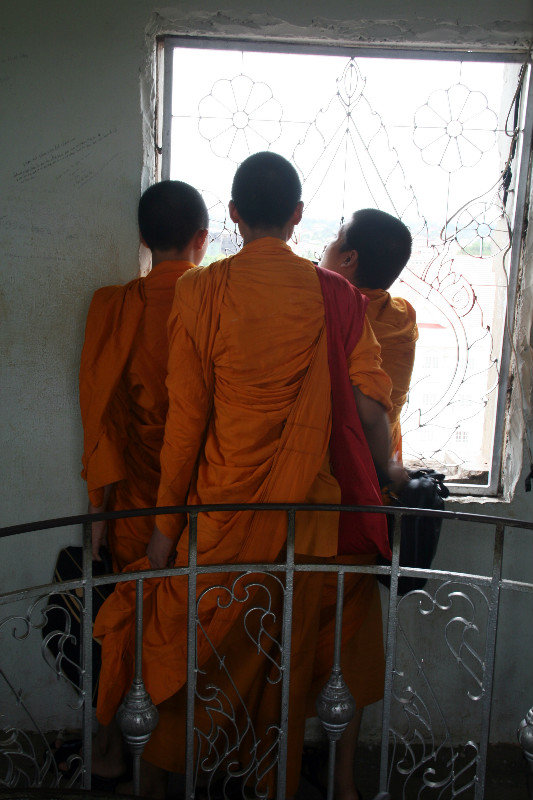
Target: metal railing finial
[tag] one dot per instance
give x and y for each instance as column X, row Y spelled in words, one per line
column 137, row 716
column 335, row 705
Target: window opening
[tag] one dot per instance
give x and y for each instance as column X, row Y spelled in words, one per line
column 434, row 142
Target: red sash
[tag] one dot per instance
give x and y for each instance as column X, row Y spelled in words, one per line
column 351, row 461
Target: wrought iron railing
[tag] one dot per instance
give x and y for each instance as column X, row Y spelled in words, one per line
column 414, row 749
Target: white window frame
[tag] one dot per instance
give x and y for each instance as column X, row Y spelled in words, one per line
column 166, row 45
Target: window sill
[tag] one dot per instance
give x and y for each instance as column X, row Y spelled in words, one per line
column 473, row 499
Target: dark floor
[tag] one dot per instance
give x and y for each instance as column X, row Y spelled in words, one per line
column 505, row 780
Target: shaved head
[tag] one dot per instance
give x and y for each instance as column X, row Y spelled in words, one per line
column 266, row 190
column 170, row 213
column 383, row 244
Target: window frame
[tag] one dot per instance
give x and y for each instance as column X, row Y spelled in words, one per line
column 163, row 126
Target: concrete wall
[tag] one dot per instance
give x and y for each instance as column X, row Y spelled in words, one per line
column 75, row 153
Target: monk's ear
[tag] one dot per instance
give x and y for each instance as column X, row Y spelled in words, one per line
column 350, row 259
column 200, row 243
column 201, row 239
column 297, row 214
column 234, row 214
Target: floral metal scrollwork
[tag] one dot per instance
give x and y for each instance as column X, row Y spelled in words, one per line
column 350, row 135
column 424, row 748
column 238, row 117
column 230, row 748
column 455, row 128
column 26, row 758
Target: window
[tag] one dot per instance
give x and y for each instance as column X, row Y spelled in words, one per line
column 428, row 399
column 431, row 362
column 435, row 141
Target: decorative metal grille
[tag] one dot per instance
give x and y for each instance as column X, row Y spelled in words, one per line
column 426, row 141
column 460, row 611
column 26, row 755
column 230, row 748
column 225, row 752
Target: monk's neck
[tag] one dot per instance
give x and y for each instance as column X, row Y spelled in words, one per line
column 263, row 236
column 366, row 290
column 158, row 256
column 253, row 234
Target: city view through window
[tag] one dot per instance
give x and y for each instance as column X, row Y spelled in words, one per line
column 423, row 140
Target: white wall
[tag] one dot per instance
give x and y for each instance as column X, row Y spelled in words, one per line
column 71, row 174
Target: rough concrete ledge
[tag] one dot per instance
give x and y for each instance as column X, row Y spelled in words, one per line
column 425, row 33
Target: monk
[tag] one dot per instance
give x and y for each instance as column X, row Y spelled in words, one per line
column 249, row 420
column 370, row 251
column 123, row 396
column 124, row 399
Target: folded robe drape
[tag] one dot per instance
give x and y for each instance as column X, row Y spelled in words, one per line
column 124, row 400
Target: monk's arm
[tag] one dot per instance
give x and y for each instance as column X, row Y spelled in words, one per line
column 99, row 529
column 376, row 429
column 186, row 421
column 372, row 389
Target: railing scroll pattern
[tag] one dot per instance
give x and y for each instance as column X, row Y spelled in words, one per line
column 418, row 748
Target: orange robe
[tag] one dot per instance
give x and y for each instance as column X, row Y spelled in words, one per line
column 393, row 321
column 124, row 400
column 249, row 421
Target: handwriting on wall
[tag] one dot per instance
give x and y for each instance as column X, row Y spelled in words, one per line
column 80, row 172
column 67, row 149
column 11, row 59
column 9, row 67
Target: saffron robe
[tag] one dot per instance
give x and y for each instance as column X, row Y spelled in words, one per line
column 249, row 421
column 124, row 400
column 393, row 321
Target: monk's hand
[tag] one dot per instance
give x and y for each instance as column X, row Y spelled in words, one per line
column 99, row 529
column 398, row 476
column 98, row 532
column 99, row 537
column 160, row 550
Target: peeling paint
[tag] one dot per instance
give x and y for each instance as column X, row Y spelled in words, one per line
column 494, row 35
column 148, row 112
column 521, row 402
